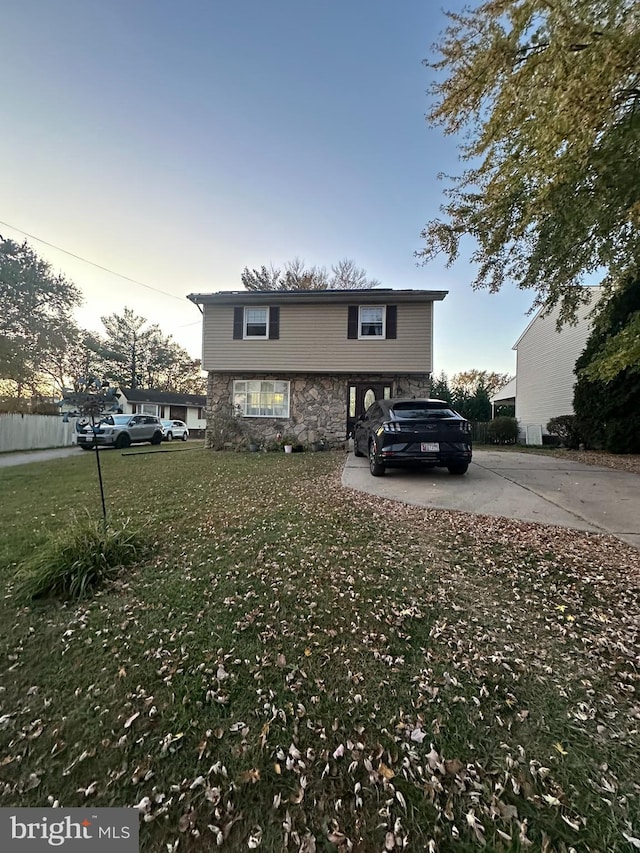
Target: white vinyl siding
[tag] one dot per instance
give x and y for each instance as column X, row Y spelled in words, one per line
column 313, row 339
column 546, row 359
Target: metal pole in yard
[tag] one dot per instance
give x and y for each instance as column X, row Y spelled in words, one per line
column 95, row 449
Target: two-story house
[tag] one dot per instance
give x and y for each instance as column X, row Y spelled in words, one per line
column 308, row 362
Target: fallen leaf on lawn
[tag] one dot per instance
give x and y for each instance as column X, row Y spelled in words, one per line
column 255, row 838
column 250, row 776
column 131, row 719
column 453, row 766
column 386, row 772
column 572, row 824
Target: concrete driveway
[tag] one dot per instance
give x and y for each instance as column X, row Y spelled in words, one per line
column 525, row 486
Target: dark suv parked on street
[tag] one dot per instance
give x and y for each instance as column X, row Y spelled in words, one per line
column 408, row 432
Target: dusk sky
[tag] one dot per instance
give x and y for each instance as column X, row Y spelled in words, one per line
column 177, row 143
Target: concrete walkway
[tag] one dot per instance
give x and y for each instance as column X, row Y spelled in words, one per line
column 9, row 459
column 525, row 486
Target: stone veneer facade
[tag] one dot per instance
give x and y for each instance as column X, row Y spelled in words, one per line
column 317, row 406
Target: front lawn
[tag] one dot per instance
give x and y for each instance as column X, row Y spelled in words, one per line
column 299, row 667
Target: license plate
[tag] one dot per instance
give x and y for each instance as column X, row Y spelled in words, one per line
column 429, row 447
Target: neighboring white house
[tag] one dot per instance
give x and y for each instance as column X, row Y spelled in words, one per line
column 189, row 408
column 545, row 360
column 506, row 396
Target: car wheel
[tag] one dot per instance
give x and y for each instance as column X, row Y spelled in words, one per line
column 169, row 436
column 157, row 438
column 356, row 452
column 185, row 436
column 459, row 468
column 376, row 467
column 123, row 440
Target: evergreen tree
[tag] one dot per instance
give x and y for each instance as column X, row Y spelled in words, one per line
column 608, row 412
column 440, row 389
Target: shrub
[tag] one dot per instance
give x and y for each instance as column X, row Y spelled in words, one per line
column 225, row 427
column 565, row 427
column 503, row 430
column 550, row 440
column 75, row 562
column 605, row 409
column 623, row 434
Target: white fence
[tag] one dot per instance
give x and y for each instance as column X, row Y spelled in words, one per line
column 33, row 432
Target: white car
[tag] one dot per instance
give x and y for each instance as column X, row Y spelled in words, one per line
column 174, row 429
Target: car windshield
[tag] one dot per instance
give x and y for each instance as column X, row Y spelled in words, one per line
column 116, row 420
column 416, row 411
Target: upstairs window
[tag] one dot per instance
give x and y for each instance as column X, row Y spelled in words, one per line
column 256, row 323
column 371, row 322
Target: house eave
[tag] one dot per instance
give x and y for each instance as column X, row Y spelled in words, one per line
column 310, row 297
column 262, row 371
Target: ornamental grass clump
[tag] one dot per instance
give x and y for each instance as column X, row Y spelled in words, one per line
column 75, row 562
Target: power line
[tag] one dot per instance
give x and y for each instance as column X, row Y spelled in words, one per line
column 91, row 263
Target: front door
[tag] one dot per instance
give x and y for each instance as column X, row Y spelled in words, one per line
column 360, row 396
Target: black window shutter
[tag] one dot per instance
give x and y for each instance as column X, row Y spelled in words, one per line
column 238, row 323
column 392, row 321
column 352, row 322
column 274, row 323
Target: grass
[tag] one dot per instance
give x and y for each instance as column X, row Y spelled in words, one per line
column 312, row 669
column 78, row 560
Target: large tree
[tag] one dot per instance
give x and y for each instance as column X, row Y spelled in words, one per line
column 544, row 98
column 345, row 275
column 135, row 354
column 36, row 323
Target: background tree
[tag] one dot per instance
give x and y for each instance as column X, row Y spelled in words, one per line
column 440, row 389
column 479, row 405
column 471, row 380
column 76, row 367
column 607, row 413
column 547, row 101
column 345, row 275
column 469, row 391
column 262, row 279
column 36, row 322
column 134, row 354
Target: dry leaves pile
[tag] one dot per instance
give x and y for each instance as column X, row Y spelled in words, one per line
column 617, row 461
column 307, row 669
